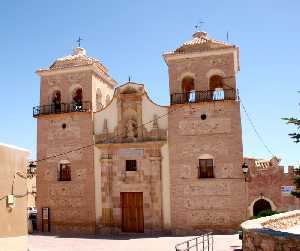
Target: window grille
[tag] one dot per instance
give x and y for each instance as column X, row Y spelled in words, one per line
column 64, row 172
column 131, row 165
column 206, row 168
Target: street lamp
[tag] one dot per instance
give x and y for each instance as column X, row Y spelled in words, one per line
column 245, row 169
column 31, row 168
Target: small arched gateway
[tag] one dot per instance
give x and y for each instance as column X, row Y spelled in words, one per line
column 261, row 205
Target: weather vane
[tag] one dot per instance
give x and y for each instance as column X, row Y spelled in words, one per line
column 79, row 41
column 129, row 78
column 199, row 25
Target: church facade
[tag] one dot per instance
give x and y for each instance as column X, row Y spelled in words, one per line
column 111, row 160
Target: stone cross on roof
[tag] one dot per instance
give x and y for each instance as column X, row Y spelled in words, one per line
column 78, row 41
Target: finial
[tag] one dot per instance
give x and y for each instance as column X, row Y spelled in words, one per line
column 199, row 26
column 129, row 78
column 79, row 41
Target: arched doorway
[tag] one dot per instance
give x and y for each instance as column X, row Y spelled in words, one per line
column 261, row 205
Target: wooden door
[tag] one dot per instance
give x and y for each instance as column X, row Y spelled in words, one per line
column 132, row 212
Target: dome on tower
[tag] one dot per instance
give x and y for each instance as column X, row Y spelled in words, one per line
column 77, row 59
column 201, row 42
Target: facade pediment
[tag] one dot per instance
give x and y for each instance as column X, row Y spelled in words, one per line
column 130, row 117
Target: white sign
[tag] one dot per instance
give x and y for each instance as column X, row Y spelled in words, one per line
column 286, row 190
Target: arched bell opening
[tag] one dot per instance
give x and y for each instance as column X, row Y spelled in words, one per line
column 56, row 101
column 188, row 88
column 77, row 99
column 216, row 87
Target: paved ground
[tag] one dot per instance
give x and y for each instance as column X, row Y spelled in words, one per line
column 124, row 243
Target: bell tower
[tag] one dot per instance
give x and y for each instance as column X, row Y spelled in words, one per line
column 71, row 89
column 204, row 136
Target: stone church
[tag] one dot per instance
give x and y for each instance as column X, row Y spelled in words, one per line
column 111, row 160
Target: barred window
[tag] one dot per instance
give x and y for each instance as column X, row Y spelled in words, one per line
column 206, row 168
column 131, row 165
column 64, row 172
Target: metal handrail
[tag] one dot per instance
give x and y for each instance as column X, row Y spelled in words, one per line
column 200, row 243
column 57, row 108
column 203, row 96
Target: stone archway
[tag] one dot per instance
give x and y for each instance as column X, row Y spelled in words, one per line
column 251, row 206
column 261, row 205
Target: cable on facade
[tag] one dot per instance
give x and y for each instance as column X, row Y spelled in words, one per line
column 115, row 136
column 255, row 130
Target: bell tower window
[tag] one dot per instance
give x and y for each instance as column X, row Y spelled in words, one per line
column 216, row 86
column 56, row 101
column 188, row 88
column 77, row 99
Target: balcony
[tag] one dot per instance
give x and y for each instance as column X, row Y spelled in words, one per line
column 61, row 108
column 203, row 96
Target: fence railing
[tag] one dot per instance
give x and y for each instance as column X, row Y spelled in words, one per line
column 84, row 106
column 204, row 242
column 203, row 96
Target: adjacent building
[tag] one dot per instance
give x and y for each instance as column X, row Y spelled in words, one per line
column 13, row 198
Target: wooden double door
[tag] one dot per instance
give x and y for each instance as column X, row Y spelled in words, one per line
column 132, row 212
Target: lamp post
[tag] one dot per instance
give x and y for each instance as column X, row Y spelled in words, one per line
column 31, row 169
column 245, row 169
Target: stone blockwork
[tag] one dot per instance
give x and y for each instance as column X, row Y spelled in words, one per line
column 115, row 180
column 272, row 233
column 71, row 203
column 199, row 203
column 61, row 131
column 266, row 180
column 131, row 138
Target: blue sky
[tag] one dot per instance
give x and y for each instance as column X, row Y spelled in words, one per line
column 129, row 38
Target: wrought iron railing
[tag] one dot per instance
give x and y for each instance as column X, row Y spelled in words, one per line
column 62, row 108
column 203, row 96
column 204, row 242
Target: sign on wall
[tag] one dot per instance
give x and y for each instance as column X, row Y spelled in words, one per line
column 131, row 153
column 45, row 219
column 286, row 190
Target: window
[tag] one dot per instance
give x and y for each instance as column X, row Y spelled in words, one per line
column 77, row 99
column 131, row 165
column 56, row 101
column 107, row 99
column 216, row 86
column 99, row 99
column 64, row 172
column 206, row 168
column 188, row 88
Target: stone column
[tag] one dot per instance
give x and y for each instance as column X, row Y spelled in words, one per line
column 106, row 190
column 155, row 193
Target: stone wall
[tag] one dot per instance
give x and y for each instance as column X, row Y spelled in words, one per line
column 272, row 233
column 212, row 203
column 265, row 180
column 71, row 203
column 115, row 180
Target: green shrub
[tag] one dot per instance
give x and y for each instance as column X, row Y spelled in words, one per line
column 264, row 213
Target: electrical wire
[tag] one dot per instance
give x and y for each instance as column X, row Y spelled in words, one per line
column 113, row 137
column 255, row 130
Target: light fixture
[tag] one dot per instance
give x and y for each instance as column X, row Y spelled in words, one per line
column 245, row 169
column 31, row 168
